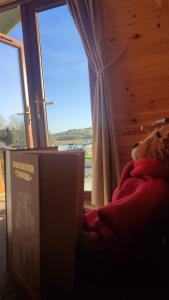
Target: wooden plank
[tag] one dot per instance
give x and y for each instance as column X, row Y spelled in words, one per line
column 139, row 78
column 7, row 5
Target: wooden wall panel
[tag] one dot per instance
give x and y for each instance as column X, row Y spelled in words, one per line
column 139, row 78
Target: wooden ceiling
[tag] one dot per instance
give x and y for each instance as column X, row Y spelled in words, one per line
column 139, row 78
column 10, row 12
column 8, row 19
column 2, row 2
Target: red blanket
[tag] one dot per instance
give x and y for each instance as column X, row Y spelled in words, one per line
column 141, row 198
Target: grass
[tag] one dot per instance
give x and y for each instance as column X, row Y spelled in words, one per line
column 88, row 155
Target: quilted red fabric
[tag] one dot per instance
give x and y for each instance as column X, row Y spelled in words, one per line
column 141, row 198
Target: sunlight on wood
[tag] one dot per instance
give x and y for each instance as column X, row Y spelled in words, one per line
column 159, row 3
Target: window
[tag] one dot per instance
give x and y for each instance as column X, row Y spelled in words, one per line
column 57, row 70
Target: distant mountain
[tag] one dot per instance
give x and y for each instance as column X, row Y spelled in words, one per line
column 73, row 134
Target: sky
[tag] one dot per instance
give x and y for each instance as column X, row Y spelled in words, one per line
column 65, row 72
column 10, row 87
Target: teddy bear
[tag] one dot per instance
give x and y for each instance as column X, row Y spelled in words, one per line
column 139, row 204
column 155, row 145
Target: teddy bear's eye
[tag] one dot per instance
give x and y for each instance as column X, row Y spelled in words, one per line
column 158, row 134
column 148, row 142
column 135, row 145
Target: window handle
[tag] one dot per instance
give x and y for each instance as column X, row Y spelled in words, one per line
column 50, row 102
column 23, row 113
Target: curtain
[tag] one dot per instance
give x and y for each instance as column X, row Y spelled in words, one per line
column 86, row 15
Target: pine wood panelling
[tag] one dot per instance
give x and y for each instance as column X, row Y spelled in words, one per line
column 139, row 78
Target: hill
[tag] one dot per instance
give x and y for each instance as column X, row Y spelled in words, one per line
column 73, row 134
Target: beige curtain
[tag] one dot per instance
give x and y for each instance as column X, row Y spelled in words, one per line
column 86, row 14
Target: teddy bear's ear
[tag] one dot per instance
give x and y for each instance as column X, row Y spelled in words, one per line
column 158, row 134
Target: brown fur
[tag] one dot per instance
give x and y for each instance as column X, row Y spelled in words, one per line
column 155, row 145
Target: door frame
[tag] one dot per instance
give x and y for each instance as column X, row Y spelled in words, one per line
column 27, row 117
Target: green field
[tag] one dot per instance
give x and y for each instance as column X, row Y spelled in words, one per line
column 88, row 155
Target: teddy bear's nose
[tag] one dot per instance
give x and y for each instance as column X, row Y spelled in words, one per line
column 135, row 145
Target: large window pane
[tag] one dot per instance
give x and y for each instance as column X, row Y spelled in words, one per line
column 66, row 82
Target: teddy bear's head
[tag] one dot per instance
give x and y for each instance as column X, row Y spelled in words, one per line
column 155, row 145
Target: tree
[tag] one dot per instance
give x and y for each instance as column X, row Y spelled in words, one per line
column 3, row 123
column 6, row 136
column 17, row 128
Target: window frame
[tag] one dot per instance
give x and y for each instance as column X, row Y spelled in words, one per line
column 47, row 4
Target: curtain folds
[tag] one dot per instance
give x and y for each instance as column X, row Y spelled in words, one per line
column 86, row 15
